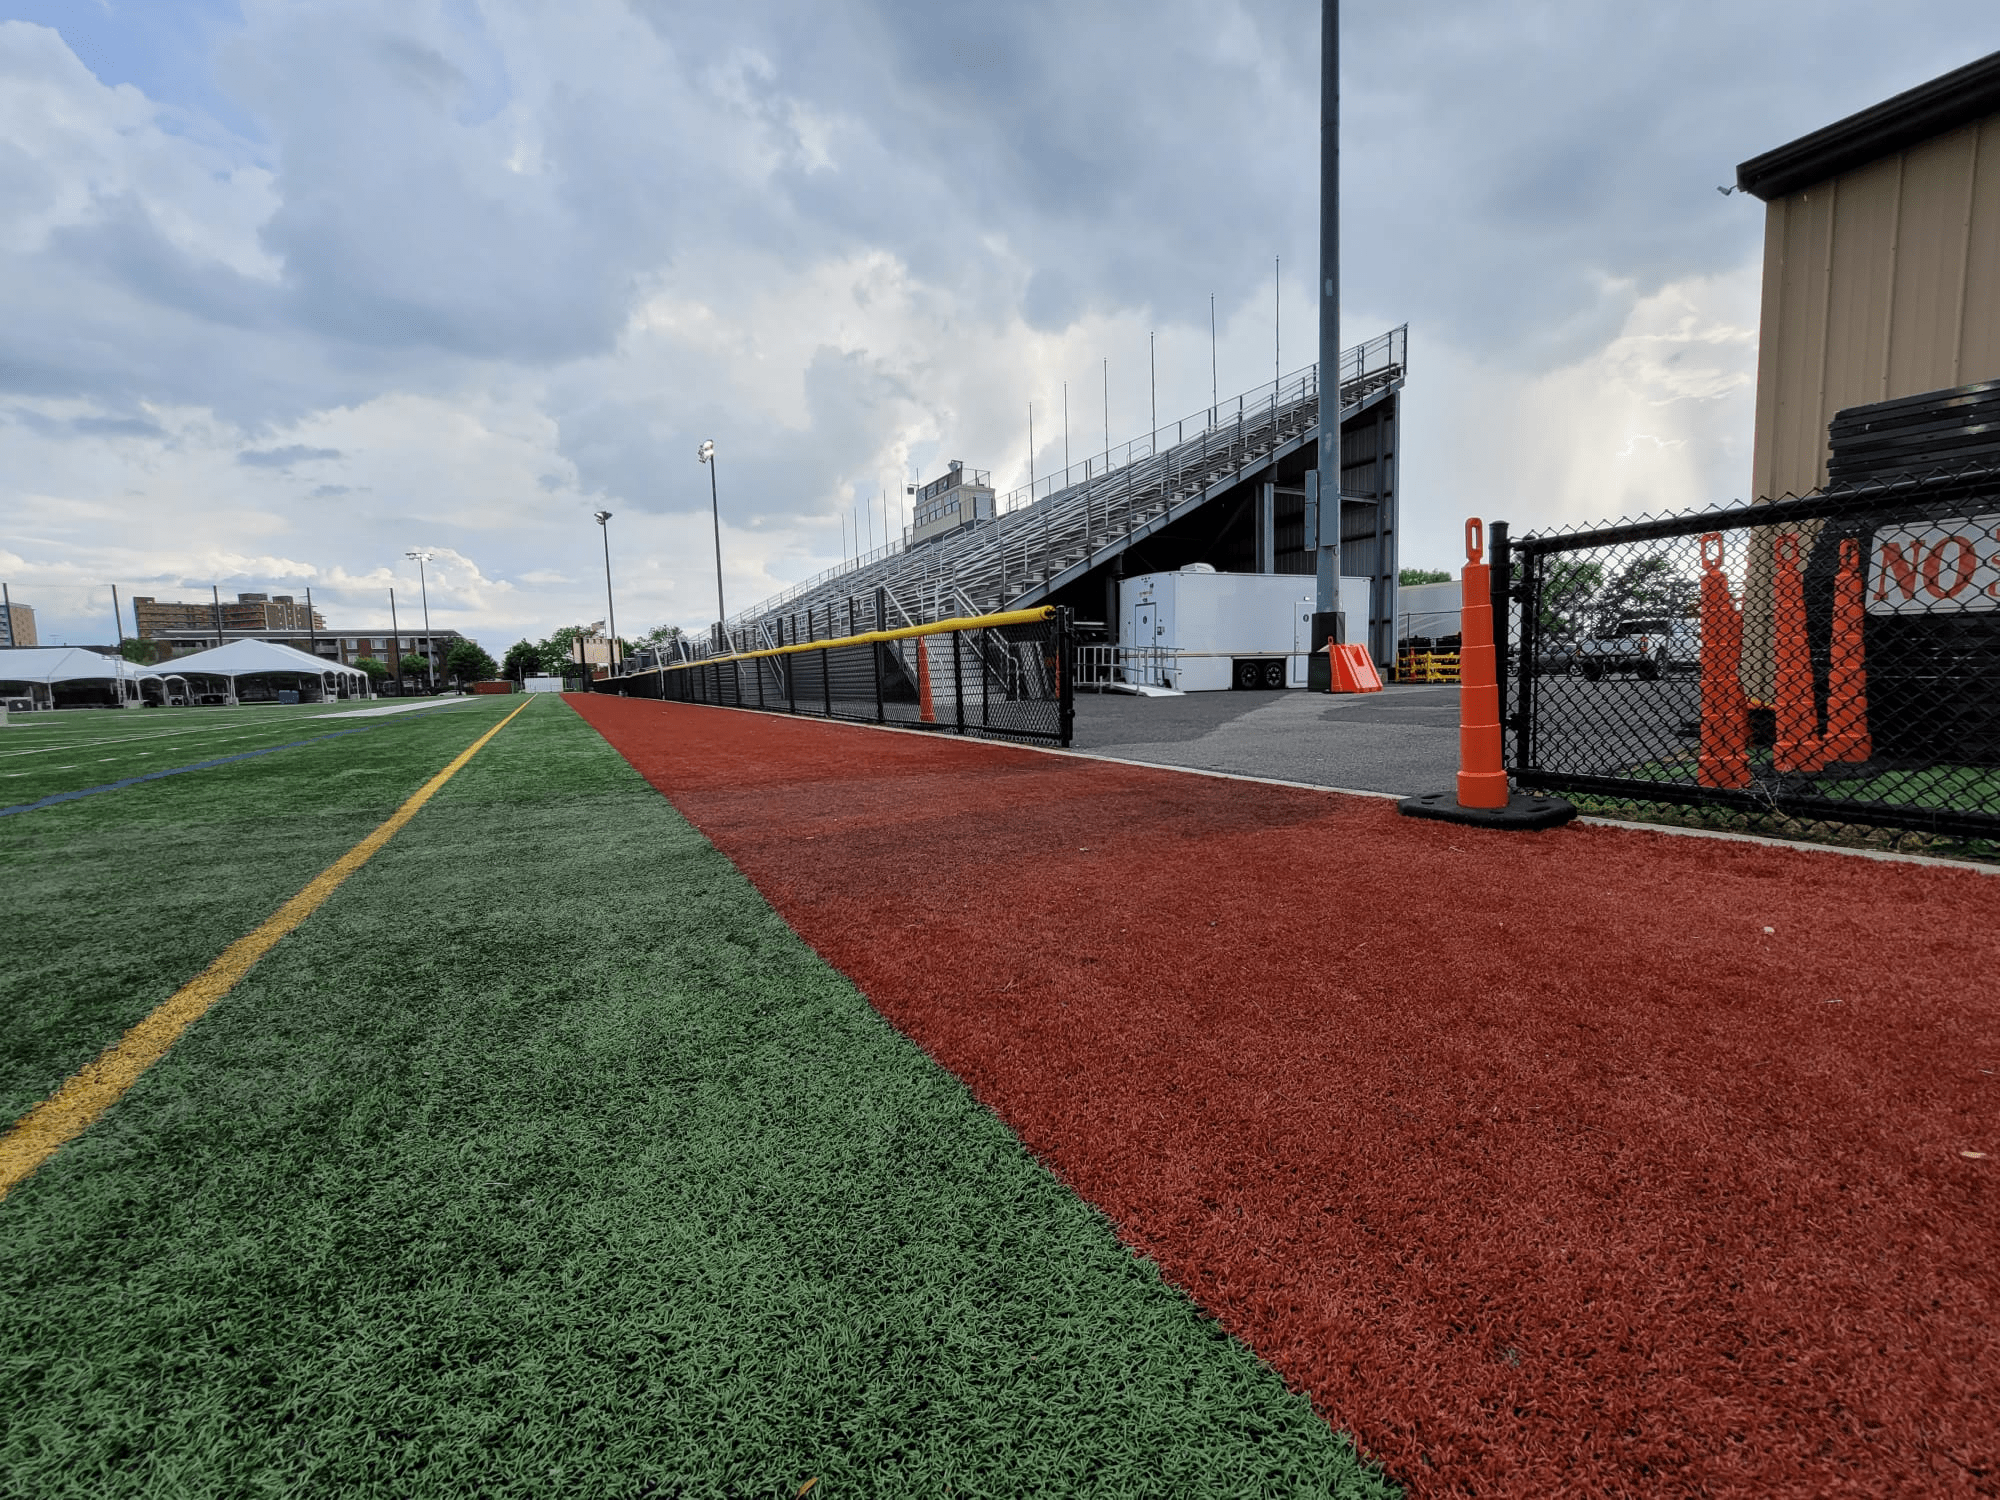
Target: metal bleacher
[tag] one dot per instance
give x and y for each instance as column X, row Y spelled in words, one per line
column 1046, row 535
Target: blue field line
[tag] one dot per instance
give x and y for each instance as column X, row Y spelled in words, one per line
column 201, row 765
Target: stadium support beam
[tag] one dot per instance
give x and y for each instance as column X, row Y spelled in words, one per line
column 1327, row 569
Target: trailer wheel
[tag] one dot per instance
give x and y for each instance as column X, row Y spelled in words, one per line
column 1247, row 674
column 1274, row 674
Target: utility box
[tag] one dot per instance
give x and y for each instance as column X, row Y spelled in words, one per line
column 1198, row 630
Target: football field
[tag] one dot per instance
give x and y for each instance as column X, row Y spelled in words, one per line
column 540, row 1156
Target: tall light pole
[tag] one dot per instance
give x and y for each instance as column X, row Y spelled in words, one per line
column 610, row 613
column 1327, row 481
column 706, row 454
column 430, row 646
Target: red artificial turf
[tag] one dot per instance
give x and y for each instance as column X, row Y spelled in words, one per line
column 1586, row 1162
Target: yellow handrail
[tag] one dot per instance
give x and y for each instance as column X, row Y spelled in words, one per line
column 1033, row 616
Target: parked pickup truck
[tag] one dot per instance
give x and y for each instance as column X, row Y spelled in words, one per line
column 1646, row 645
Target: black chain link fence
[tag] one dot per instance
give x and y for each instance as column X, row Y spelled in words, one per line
column 1009, row 680
column 1818, row 667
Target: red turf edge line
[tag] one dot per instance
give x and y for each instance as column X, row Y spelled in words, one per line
column 1539, row 1161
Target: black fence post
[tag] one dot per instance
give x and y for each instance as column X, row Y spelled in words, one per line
column 1066, row 686
column 826, row 674
column 958, row 679
column 1500, row 587
column 1531, row 653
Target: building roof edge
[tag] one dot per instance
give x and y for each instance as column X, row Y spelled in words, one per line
column 1930, row 109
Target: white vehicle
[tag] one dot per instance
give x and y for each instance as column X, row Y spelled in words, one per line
column 1197, row 630
column 1649, row 645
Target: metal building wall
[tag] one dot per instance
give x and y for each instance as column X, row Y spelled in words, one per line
column 1883, row 281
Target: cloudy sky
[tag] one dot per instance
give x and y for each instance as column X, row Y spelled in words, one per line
column 291, row 287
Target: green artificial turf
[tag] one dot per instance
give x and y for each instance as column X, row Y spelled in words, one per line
column 109, row 904
column 546, row 1160
column 66, row 752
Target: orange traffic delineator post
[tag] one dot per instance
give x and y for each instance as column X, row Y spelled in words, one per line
column 1847, row 738
column 1483, row 797
column 1482, row 781
column 926, row 711
column 1725, row 711
column 1798, row 746
column 1350, row 670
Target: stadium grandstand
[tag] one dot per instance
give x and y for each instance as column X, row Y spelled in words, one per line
column 1225, row 486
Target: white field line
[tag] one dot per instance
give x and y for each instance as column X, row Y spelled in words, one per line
column 394, row 708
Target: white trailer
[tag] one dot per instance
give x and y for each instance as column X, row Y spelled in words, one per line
column 1197, row 630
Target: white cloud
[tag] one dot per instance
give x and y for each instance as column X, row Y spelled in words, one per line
column 474, row 270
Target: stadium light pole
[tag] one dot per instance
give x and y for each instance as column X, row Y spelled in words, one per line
column 1327, row 475
column 610, row 612
column 423, row 587
column 706, row 454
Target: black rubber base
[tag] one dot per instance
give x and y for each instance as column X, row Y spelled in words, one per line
column 1521, row 811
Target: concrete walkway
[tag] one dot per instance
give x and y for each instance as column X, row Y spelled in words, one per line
column 1402, row 740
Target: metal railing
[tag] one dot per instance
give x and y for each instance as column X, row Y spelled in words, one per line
column 1002, row 676
column 1061, row 519
column 1827, row 659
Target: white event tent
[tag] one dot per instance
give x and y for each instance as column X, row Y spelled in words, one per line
column 251, row 671
column 71, row 677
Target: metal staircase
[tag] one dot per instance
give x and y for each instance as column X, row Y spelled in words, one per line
column 1045, row 535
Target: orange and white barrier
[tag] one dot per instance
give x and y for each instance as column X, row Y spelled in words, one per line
column 1350, row 669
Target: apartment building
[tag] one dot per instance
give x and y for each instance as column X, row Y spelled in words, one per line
column 246, row 615
column 17, row 626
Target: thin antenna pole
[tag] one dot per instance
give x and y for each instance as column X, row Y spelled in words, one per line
column 1277, row 322
column 1214, row 388
column 117, row 617
column 7, row 612
column 1153, row 379
column 1065, row 432
column 1107, row 411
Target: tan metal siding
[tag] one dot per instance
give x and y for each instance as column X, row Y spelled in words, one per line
column 1882, row 282
column 1980, row 326
column 1930, row 265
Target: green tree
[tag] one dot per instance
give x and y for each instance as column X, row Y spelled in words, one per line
column 557, row 651
column 375, row 667
column 415, row 666
column 140, row 650
column 1648, row 585
column 1566, row 592
column 524, row 660
column 1408, row 576
column 468, row 662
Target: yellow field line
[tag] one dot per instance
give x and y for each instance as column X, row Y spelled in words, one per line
column 94, row 1088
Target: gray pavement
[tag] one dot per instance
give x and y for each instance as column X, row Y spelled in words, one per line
column 1402, row 740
